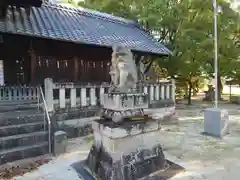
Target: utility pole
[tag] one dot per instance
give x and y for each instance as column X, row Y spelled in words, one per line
column 215, row 11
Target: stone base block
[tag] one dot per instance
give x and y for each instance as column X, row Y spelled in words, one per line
column 118, row 101
column 216, row 122
column 134, row 165
column 127, row 152
column 60, row 142
column 118, row 116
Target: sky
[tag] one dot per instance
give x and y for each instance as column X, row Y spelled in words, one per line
column 236, row 3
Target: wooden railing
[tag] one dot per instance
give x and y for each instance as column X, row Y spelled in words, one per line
column 70, row 95
column 11, row 93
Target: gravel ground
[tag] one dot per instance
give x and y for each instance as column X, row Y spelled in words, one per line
column 203, row 157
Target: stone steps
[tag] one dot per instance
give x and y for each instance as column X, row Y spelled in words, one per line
column 20, row 117
column 23, row 140
column 23, row 152
column 22, row 132
column 17, row 106
column 19, row 102
column 19, row 129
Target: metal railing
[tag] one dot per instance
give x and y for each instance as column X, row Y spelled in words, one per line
column 47, row 119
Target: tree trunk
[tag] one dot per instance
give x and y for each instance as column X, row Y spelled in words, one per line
column 186, row 90
column 195, row 91
column 220, row 87
column 190, row 93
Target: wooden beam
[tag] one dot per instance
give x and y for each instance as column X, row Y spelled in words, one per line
column 76, row 68
column 33, row 62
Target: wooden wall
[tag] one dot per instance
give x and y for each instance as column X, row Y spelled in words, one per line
column 14, row 53
column 71, row 70
column 30, row 60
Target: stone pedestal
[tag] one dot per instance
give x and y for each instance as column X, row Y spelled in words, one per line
column 127, row 152
column 216, row 122
column 120, row 106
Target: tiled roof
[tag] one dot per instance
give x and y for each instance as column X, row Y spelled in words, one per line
column 80, row 26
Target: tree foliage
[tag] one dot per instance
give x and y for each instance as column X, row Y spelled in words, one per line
column 186, row 28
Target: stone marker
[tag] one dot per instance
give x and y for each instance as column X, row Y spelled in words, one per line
column 216, row 122
column 60, row 143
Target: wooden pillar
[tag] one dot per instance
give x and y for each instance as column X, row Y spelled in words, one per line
column 76, row 69
column 1, row 73
column 33, row 62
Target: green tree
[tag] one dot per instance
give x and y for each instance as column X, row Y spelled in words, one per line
column 228, row 52
column 186, row 28
column 124, row 8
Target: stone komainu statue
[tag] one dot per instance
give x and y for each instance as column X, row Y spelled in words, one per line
column 123, row 70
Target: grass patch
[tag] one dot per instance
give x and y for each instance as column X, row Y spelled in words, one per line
column 89, row 138
column 210, row 143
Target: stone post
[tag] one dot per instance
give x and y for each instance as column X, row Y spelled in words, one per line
column 162, row 91
column 168, row 95
column 83, row 97
column 152, row 94
column 93, row 99
column 62, row 98
column 73, row 97
column 157, row 92
column 145, row 89
column 48, row 87
column 173, row 90
column 60, row 143
column 101, row 95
